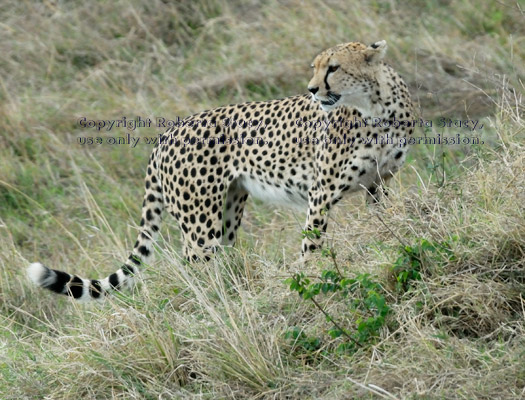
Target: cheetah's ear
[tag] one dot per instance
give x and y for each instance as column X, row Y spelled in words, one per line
column 375, row 52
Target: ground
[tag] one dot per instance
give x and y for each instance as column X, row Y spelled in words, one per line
column 447, row 250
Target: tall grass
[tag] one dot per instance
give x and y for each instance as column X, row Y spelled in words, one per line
column 217, row 330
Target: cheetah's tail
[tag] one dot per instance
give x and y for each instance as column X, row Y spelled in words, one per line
column 126, row 276
column 79, row 288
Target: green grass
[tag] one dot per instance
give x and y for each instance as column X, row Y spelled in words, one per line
column 218, row 330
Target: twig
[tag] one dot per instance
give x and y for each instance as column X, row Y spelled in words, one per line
column 332, row 254
column 391, row 231
column 329, row 317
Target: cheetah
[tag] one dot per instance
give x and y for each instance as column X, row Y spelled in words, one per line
column 306, row 150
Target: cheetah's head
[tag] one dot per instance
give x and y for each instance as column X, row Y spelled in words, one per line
column 345, row 74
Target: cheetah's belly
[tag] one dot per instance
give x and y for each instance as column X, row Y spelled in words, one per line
column 276, row 193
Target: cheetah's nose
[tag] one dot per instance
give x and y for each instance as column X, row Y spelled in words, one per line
column 313, row 90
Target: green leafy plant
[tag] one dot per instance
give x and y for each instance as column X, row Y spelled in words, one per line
column 311, row 234
column 408, row 266
column 363, row 297
column 302, row 341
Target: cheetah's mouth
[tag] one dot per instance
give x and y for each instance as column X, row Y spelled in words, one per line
column 332, row 99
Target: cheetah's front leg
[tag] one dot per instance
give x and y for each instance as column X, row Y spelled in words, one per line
column 377, row 190
column 319, row 203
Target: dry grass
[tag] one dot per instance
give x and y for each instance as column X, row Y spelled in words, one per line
column 216, row 330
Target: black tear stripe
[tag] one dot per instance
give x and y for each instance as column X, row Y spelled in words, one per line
column 326, row 80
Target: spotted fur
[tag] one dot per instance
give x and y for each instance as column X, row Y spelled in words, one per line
column 281, row 157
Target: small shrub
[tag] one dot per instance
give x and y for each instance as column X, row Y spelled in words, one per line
column 408, row 266
column 363, row 297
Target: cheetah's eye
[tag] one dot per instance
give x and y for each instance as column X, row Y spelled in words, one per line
column 333, row 68
column 311, row 66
